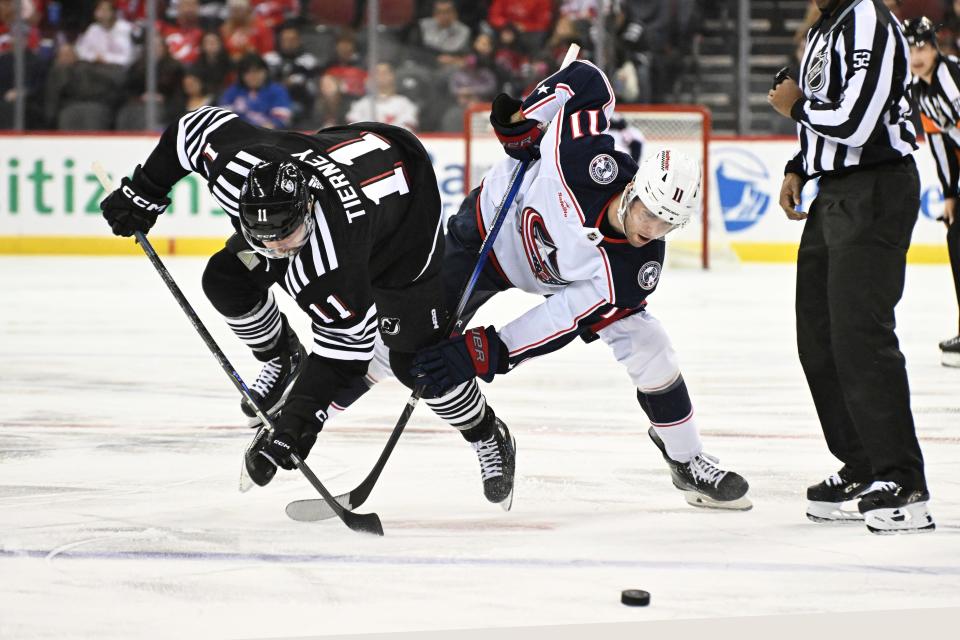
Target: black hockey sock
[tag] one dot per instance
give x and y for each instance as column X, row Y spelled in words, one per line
column 667, row 407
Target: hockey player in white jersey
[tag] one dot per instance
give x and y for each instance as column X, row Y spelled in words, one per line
column 586, row 232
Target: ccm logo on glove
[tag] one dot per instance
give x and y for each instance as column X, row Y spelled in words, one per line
column 141, row 202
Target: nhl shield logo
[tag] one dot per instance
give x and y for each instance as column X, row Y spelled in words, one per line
column 603, row 169
column 816, row 71
column 649, row 275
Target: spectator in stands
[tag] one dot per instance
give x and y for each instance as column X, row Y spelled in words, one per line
column 196, row 94
column 8, row 16
column 511, row 61
column 108, row 40
column 342, row 81
column 531, row 18
column 79, row 94
column 387, row 105
column 133, row 11
column 296, row 69
column 479, row 70
column 183, row 37
column 213, row 66
column 443, row 34
column 255, row 98
column 211, row 12
column 276, row 12
column 948, row 36
column 168, row 99
column 35, row 71
column 244, row 32
column 476, row 81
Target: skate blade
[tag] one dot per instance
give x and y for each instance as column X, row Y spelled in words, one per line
column 950, row 359
column 507, row 502
column 913, row 518
column 695, row 499
column 831, row 512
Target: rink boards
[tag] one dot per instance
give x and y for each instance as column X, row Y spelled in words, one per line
column 49, row 197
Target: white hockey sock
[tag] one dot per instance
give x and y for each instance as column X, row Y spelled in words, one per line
column 682, row 438
column 462, row 407
column 260, row 328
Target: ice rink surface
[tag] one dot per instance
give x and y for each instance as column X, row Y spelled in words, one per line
column 120, row 450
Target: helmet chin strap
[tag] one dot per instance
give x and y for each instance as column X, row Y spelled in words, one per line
column 624, row 205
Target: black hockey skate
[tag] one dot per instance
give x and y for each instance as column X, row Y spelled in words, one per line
column 889, row 508
column 277, row 376
column 703, row 483
column 826, row 498
column 950, row 352
column 497, row 452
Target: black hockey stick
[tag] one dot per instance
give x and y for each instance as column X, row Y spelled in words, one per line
column 367, row 522
column 312, row 510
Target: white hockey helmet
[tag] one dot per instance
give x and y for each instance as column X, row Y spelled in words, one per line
column 668, row 183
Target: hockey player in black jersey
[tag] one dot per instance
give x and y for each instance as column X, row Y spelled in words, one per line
column 936, row 91
column 348, row 222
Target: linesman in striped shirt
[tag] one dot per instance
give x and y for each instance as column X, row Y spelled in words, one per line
column 936, row 90
column 853, row 116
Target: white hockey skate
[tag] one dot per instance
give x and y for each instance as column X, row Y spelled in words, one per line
column 828, row 500
column 889, row 508
column 950, row 352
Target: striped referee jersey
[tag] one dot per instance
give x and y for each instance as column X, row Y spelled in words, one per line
column 854, row 76
column 939, row 104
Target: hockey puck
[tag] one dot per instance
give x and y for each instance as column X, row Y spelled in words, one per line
column 635, row 597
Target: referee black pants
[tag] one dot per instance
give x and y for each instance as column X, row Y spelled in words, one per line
column 953, row 249
column 850, row 275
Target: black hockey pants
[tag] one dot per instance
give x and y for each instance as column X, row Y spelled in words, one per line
column 850, row 276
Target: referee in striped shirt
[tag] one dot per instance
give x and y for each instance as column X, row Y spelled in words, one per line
column 936, row 90
column 855, row 134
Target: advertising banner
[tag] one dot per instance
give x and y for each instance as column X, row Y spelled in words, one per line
column 49, row 197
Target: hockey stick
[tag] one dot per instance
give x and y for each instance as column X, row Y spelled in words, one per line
column 368, row 522
column 312, row 510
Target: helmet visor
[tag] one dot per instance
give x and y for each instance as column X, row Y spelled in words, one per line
column 284, row 247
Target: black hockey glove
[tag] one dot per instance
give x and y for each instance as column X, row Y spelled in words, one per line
column 297, row 428
column 479, row 353
column 135, row 206
column 521, row 140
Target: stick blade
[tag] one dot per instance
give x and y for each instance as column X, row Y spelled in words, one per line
column 365, row 523
column 315, row 510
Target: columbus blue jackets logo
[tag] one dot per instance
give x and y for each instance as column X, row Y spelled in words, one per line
column 649, row 275
column 540, row 248
column 816, row 70
column 603, row 169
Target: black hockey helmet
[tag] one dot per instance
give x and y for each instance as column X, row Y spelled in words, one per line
column 274, row 207
column 920, row 31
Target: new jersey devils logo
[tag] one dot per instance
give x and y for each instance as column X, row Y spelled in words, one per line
column 540, row 248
